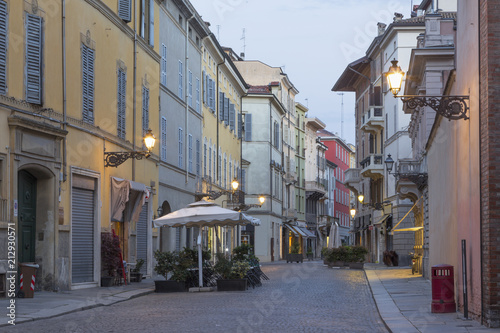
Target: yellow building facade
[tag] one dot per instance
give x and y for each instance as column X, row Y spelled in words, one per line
column 223, row 89
column 80, row 79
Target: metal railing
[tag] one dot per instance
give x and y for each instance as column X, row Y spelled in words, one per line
column 372, row 159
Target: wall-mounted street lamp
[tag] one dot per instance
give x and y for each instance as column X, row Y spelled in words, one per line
column 114, row 159
column 353, row 212
column 389, row 163
column 451, row 107
column 376, row 206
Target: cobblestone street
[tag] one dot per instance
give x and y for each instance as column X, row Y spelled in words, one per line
column 306, row 297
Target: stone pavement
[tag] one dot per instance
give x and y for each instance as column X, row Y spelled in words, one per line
column 404, row 303
column 47, row 304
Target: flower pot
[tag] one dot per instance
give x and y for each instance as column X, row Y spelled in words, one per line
column 356, row 265
column 231, row 284
column 291, row 257
column 338, row 263
column 169, row 286
column 107, row 281
column 135, row 277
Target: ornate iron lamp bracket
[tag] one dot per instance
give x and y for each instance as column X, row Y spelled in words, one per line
column 451, row 107
column 114, row 159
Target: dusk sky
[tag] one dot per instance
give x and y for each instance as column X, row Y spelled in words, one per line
column 313, row 41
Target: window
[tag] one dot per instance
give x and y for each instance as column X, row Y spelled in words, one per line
column 276, row 134
column 88, row 57
column 215, row 161
column 210, row 161
column 190, row 153
column 145, row 110
column 226, row 111
column 221, row 106
column 198, row 158
column 198, row 95
column 124, row 9
column 121, row 105
column 181, row 151
column 205, row 158
column 231, row 116
column 219, row 170
column 225, row 171
column 240, row 125
column 3, row 47
column 180, row 92
column 147, row 21
column 248, row 127
column 163, row 151
column 33, row 59
column 190, row 88
column 164, row 64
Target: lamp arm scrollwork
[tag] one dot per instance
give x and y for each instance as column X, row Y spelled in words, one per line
column 450, row 107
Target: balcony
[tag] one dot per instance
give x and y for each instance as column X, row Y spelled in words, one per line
column 373, row 166
column 352, row 179
column 411, row 176
column 290, row 213
column 373, row 120
column 315, row 190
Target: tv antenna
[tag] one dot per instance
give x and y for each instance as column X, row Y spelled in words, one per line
column 341, row 116
column 218, row 32
column 243, row 37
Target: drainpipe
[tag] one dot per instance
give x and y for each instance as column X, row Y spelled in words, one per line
column 64, row 86
column 481, row 203
column 134, row 98
column 186, row 122
column 271, row 154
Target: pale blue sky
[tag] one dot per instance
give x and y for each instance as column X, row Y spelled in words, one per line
column 312, row 40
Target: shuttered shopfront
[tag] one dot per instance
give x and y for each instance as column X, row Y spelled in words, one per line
column 82, row 263
column 142, row 237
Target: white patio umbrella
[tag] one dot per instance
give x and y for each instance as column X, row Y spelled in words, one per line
column 334, row 237
column 204, row 214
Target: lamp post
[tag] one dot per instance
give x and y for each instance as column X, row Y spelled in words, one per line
column 389, row 163
column 451, row 107
column 114, row 159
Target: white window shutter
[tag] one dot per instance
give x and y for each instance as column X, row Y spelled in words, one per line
column 163, row 138
column 164, row 64
column 152, row 22
column 33, row 59
column 180, row 80
column 124, row 9
column 248, row 127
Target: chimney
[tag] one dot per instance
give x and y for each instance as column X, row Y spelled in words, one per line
column 398, row 17
column 381, row 28
column 242, row 55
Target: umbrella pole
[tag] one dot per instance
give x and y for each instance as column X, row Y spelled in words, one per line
column 200, row 260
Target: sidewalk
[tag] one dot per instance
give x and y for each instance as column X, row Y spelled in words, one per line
column 404, row 303
column 47, row 304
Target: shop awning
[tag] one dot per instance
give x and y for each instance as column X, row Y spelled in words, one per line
column 308, row 233
column 382, row 219
column 297, row 231
column 407, row 229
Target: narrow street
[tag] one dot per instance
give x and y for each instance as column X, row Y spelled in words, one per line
column 306, row 297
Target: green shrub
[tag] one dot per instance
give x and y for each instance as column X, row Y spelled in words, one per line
column 295, row 249
column 223, row 266
column 239, row 269
column 358, row 253
column 138, row 266
column 176, row 263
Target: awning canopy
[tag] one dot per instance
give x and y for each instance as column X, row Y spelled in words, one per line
column 127, row 199
column 299, row 231
column 382, row 219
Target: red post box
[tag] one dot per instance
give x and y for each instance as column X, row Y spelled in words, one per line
column 443, row 289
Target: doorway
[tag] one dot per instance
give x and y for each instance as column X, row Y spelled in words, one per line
column 27, row 215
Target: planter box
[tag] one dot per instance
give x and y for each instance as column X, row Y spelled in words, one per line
column 232, row 285
column 356, row 265
column 135, row 277
column 169, row 286
column 326, row 262
column 336, row 264
column 107, row 281
column 291, row 257
column 310, row 256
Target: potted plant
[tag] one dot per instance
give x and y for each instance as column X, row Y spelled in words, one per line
column 294, row 254
column 173, row 266
column 325, row 255
column 110, row 258
column 309, row 253
column 336, row 257
column 357, row 257
column 232, row 274
column 135, row 273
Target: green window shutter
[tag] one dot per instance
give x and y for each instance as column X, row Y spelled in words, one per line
column 3, row 47
column 145, row 110
column 121, row 106
column 33, row 59
column 124, row 10
column 88, row 84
